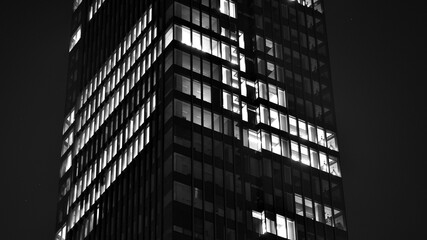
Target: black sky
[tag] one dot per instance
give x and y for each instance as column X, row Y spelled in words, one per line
column 377, row 51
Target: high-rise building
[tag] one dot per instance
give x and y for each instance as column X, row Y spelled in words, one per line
column 199, row 119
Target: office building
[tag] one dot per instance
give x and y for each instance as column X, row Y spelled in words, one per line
column 199, row 119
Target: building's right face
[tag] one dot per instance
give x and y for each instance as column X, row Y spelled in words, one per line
column 204, row 119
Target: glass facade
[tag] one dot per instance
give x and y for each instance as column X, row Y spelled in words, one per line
column 199, row 119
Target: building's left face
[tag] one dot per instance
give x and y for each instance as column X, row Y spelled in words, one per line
column 110, row 112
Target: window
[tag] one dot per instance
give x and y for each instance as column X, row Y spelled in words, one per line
column 271, row 70
column 275, row 140
column 182, row 11
column 207, row 119
column 182, row 164
column 253, row 140
column 293, row 126
column 269, row 47
column 323, row 162
column 183, row 34
column 264, row 115
column 76, row 4
column 227, row 7
column 331, row 140
column 294, row 151
column 168, row 36
column 226, row 100
column 305, row 159
column 262, row 90
column 225, row 51
column 283, row 123
column 197, row 115
column 75, row 38
column 259, row 43
column 265, row 141
column 282, row 98
column 205, row 20
column 328, row 216
column 274, row 116
column 226, row 76
column 241, row 40
column 236, row 103
column 267, row 222
column 195, row 17
column 206, row 44
column 312, row 133
column 321, row 137
column 182, row 110
column 196, row 64
column 339, row 219
column 314, row 159
column 182, row 59
column 298, row 205
column 302, row 130
column 206, row 93
column 206, row 68
column 182, row 84
column 235, row 78
column 182, row 193
column 217, row 123
column 334, row 167
column 272, row 93
column 308, row 208
column 197, row 44
column 318, row 209
column 66, row 165
column 197, row 92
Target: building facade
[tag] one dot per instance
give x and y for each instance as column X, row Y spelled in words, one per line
column 199, row 119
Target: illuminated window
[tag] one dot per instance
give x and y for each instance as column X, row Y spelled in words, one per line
column 339, row 219
column 308, row 208
column 226, row 100
column 302, row 129
column 293, row 126
column 168, row 36
column 76, row 4
column 334, row 167
column 254, row 142
column 294, row 151
column 265, row 141
column 312, row 133
column 183, row 34
column 328, row 216
column 274, row 117
column 206, row 93
column 267, row 222
column 298, row 205
column 75, row 38
column 275, row 142
column 314, row 159
column 323, row 162
column 321, row 137
column 228, row 8
column 305, row 159
column 331, row 140
column 318, row 209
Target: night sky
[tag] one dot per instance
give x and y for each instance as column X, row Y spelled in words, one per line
column 377, row 51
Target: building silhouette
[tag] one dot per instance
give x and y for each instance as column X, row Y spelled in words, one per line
column 199, row 119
